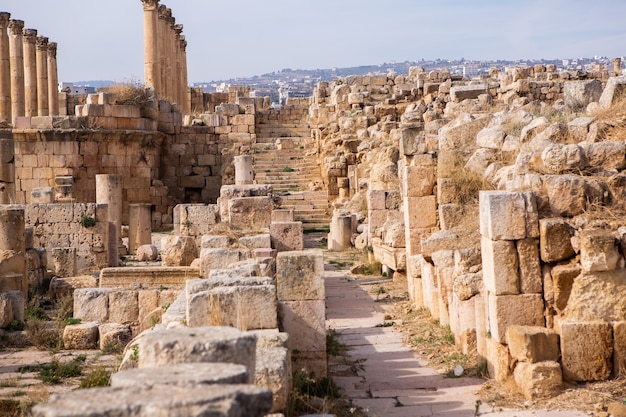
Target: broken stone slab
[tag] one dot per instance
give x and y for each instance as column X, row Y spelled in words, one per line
column 555, row 240
column 215, row 258
column 256, row 241
column 533, row 344
column 213, row 400
column 182, row 375
column 215, row 242
column 273, row 371
column 147, row 253
column 178, row 250
column 539, row 380
column 300, row 275
column 598, row 251
column 586, row 350
column 155, row 277
column 228, row 192
column 464, row 92
column 198, row 344
column 81, row 336
column 92, row 304
column 114, row 336
column 250, row 213
column 613, row 91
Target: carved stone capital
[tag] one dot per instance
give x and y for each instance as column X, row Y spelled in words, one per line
column 30, row 36
column 4, row 19
column 150, row 5
column 52, row 49
column 178, row 29
column 16, row 26
column 42, row 43
column 163, row 11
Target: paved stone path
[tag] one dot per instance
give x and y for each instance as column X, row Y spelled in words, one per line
column 393, row 381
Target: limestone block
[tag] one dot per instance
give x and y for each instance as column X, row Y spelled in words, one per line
column 123, row 306
column 202, row 400
column 491, row 137
column 215, row 242
column 619, row 349
column 562, row 282
column 531, row 280
column 559, row 159
column 92, row 304
column 608, row 155
column 300, row 276
column 507, row 216
column 464, row 92
column 567, row 194
column 578, row 94
column 498, row 360
column 114, row 336
column 256, row 242
column 245, row 307
column 178, row 250
column 538, row 380
column 500, row 266
column 420, row 181
column 12, row 270
column 376, row 199
column 586, row 350
column 555, row 240
column 613, row 91
column 585, row 302
column 65, row 261
column 81, row 336
column 509, row 310
column 198, row 344
column 412, row 141
column 273, row 371
column 420, row 212
column 598, row 251
column 61, row 287
column 182, row 375
column 283, row 215
column 287, row 236
column 211, row 258
column 305, row 323
column 314, row 364
column 147, row 253
column 532, row 344
column 250, row 213
column 466, row 286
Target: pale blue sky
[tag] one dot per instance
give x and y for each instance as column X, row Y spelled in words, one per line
column 103, row 39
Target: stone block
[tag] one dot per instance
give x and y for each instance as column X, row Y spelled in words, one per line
column 287, row 236
column 578, row 94
column 202, row 400
column 247, row 307
column 123, row 306
column 92, row 304
column 81, row 336
column 283, row 215
column 114, row 336
column 586, row 350
column 147, row 253
column 555, row 240
column 420, row 212
column 198, row 344
column 619, row 349
column 63, row 287
column 613, row 92
column 305, row 321
column 148, row 276
column 598, row 251
column 562, row 282
column 300, row 276
column 65, row 261
column 498, row 360
column 220, row 259
column 178, row 250
column 250, row 213
column 531, row 280
column 533, row 344
column 182, row 375
column 509, row 310
column 505, row 215
column 256, row 242
column 539, row 380
column 500, row 266
column 464, row 92
column 376, row 199
column 420, row 181
column 273, row 371
column 215, row 242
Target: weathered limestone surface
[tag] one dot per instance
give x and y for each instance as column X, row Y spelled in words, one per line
column 500, row 266
column 508, row 310
column 586, row 350
column 287, row 236
column 539, row 380
column 182, row 375
column 532, row 344
column 81, row 336
column 300, row 276
column 148, row 276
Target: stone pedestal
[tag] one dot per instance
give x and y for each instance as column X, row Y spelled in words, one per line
column 13, row 250
column 109, row 189
column 5, row 69
column 42, row 77
column 30, row 72
column 244, row 173
column 17, row 67
column 340, row 233
column 139, row 226
column 53, row 80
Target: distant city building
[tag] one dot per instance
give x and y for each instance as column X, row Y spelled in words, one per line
column 77, row 89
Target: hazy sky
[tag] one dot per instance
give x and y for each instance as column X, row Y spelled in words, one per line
column 103, row 39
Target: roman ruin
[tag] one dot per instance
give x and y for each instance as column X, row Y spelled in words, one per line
column 496, row 202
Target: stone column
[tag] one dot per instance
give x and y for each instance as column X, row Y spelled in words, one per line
column 42, row 77
column 244, row 173
column 340, row 233
column 17, row 67
column 139, row 226
column 617, row 66
column 30, row 72
column 5, row 69
column 185, row 80
column 53, row 79
column 13, row 241
column 7, row 171
column 152, row 68
column 178, row 82
column 171, row 57
column 109, row 189
column 161, row 45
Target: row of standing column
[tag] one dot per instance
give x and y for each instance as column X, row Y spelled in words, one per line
column 28, row 72
column 165, row 55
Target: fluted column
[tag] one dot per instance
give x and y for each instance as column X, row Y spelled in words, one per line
column 42, row 76
column 152, row 71
column 162, row 44
column 53, row 79
column 5, row 69
column 186, row 97
column 178, row 82
column 30, row 72
column 171, row 63
column 16, row 52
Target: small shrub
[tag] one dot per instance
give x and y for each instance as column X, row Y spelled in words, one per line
column 16, row 326
column 288, row 169
column 98, row 377
column 70, row 321
column 54, row 372
column 333, row 346
column 87, row 221
column 135, row 355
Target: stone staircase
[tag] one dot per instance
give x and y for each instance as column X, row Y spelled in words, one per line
column 290, row 172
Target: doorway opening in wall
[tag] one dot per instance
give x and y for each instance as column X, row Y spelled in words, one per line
column 193, row 195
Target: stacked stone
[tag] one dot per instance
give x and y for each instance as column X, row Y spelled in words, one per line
column 302, row 308
column 101, row 112
column 512, row 279
column 28, row 72
column 165, row 56
column 7, row 171
column 13, row 280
